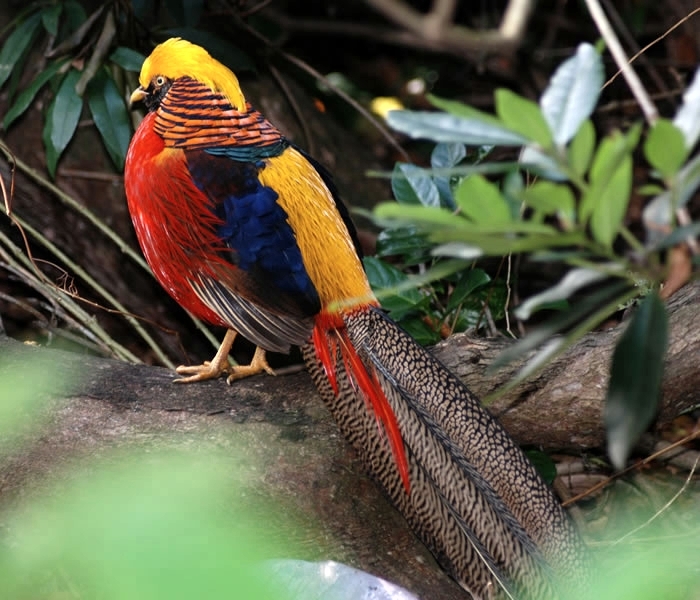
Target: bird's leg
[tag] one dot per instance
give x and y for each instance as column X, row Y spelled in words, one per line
column 210, row 369
column 257, row 365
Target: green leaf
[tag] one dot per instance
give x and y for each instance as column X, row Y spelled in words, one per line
column 572, row 93
column 445, row 156
column 635, row 378
column 659, row 213
column 25, row 98
column 665, row 148
column 611, row 205
column 110, row 115
column 384, row 277
column 16, row 44
column 522, row 116
column 127, row 59
column 415, row 214
column 411, row 185
column 541, row 164
column 62, row 119
column 50, row 16
column 580, row 150
column 613, row 150
column 481, row 201
column 406, row 242
column 548, row 198
column 470, row 281
column 573, row 281
column 442, row 127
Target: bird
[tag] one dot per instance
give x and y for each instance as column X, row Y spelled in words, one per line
column 247, row 231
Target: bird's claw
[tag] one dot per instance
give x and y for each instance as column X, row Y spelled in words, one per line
column 257, row 365
column 207, row 370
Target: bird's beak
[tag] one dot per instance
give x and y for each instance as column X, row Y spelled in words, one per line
column 138, row 95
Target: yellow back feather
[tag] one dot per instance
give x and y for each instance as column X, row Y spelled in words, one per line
column 179, row 58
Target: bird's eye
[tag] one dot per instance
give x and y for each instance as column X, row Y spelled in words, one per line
column 159, row 81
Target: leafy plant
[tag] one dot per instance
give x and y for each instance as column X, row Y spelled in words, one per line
column 453, row 294
column 572, row 212
column 85, row 65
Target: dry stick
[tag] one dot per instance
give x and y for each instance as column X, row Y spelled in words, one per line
column 688, row 438
column 64, row 300
column 664, row 508
column 654, row 42
column 93, row 220
column 618, row 53
column 99, row 289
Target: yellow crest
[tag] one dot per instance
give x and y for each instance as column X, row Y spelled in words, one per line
column 176, row 58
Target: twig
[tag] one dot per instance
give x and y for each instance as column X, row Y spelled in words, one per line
column 93, row 220
column 688, row 438
column 623, row 63
column 663, row 509
column 652, row 43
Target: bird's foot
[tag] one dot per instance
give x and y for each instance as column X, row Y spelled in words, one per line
column 207, row 370
column 257, row 365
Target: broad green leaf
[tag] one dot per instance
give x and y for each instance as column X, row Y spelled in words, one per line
column 573, row 93
column 459, row 109
column 442, row 127
column 459, row 250
column 75, row 17
column 512, row 187
column 420, row 331
column 50, row 16
column 406, row 242
column 16, row 44
column 522, row 116
column 127, row 59
column 25, row 98
column 612, row 151
column 665, row 148
column 469, row 281
column 659, row 213
column 580, row 150
column 411, row 185
column 110, row 115
column 62, row 119
column 635, row 378
column 445, row 156
column 573, row 281
column 541, row 164
column 417, row 214
column 481, row 201
column 548, row 198
column 495, row 244
column 612, row 202
column 687, row 118
column 383, row 276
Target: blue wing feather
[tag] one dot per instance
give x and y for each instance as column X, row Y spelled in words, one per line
column 255, row 232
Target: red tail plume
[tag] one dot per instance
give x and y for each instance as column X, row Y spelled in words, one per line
column 327, row 335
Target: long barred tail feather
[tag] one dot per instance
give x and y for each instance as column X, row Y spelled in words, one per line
column 475, row 499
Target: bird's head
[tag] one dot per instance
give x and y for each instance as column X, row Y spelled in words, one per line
column 177, row 58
